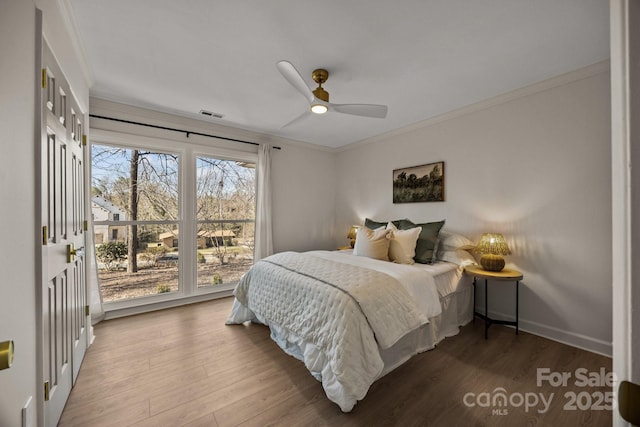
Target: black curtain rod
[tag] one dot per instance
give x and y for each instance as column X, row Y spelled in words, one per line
column 186, row 132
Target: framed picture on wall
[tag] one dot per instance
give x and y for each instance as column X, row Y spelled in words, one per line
column 423, row 183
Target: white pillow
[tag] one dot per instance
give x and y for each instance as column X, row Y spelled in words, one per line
column 372, row 243
column 450, row 241
column 402, row 247
column 460, row 257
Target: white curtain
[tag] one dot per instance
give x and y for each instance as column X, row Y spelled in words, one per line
column 93, row 284
column 263, row 237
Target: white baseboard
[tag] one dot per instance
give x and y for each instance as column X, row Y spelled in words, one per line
column 565, row 337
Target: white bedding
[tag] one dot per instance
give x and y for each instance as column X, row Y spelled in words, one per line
column 339, row 348
column 420, row 286
column 447, row 276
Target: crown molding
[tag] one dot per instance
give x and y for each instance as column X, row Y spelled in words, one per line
column 553, row 82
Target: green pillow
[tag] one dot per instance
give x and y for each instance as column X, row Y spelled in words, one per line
column 427, row 240
column 369, row 223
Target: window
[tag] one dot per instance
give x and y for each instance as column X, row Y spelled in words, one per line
column 156, row 251
column 144, row 184
column 225, row 213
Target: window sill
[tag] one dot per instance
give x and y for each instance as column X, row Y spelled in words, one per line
column 131, row 307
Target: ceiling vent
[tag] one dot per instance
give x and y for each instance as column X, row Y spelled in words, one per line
column 211, row 114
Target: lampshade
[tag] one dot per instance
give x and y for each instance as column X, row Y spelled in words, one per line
column 492, row 246
column 353, row 231
column 493, row 243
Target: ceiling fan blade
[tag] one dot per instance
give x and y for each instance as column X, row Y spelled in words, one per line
column 366, row 110
column 302, row 116
column 292, row 75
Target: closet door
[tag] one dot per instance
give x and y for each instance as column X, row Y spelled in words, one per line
column 63, row 290
column 77, row 224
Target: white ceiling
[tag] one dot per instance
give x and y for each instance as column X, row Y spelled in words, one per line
column 422, row 58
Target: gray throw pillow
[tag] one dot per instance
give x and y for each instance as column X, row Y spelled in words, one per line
column 369, row 223
column 427, row 241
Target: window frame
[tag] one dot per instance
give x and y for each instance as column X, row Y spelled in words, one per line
column 218, row 154
column 187, row 154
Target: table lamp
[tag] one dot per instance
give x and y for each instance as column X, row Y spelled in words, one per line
column 492, row 246
column 353, row 231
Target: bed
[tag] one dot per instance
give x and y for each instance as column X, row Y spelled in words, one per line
column 352, row 319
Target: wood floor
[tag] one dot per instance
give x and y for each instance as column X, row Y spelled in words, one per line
column 184, row 367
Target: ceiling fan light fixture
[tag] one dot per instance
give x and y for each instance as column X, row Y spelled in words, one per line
column 319, row 108
column 318, row 98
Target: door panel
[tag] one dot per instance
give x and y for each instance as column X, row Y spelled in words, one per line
column 76, row 235
column 57, row 345
column 64, row 319
column 78, row 316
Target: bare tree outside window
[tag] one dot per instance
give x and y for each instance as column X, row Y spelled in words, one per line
column 144, row 184
column 225, row 210
column 140, row 189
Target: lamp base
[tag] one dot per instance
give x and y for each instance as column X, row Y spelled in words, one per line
column 492, row 262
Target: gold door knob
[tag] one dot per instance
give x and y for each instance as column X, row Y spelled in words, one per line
column 71, row 253
column 6, row 354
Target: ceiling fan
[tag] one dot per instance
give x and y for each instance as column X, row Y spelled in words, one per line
column 319, row 98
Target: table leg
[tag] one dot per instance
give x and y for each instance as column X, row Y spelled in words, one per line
column 486, row 310
column 474, row 299
column 517, row 299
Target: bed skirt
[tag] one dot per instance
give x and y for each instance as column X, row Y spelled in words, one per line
column 457, row 310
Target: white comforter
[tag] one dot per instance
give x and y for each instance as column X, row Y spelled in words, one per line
column 345, row 306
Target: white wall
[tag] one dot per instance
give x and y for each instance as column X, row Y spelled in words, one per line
column 304, row 183
column 534, row 165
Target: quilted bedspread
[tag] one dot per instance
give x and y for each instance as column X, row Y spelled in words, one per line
column 344, row 309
